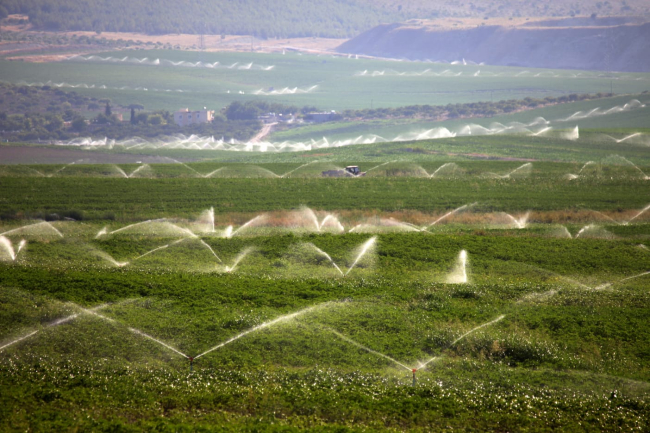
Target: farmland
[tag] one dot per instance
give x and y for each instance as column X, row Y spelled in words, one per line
column 167, row 79
column 556, row 350
column 491, row 277
column 518, row 294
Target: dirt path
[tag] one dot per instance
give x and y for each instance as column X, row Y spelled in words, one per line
column 266, row 130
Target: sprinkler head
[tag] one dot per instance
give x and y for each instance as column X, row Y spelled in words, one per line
column 190, row 358
column 414, row 370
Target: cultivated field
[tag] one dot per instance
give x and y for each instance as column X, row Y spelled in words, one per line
column 300, row 320
column 261, row 296
column 169, row 80
column 485, row 274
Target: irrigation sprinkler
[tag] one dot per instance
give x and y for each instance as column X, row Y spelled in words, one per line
column 191, row 363
column 414, row 370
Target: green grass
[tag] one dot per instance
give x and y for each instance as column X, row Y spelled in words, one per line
column 338, row 89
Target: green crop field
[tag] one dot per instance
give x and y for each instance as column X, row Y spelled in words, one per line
column 320, row 331
column 150, row 78
column 491, row 276
column 175, row 301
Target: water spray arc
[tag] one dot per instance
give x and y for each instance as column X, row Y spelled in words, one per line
column 367, row 246
column 421, row 365
column 7, row 245
column 450, row 213
column 32, row 227
column 264, row 325
column 327, row 256
column 64, row 320
column 459, row 274
column 367, row 349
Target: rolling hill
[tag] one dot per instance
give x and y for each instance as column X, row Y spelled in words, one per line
column 546, row 44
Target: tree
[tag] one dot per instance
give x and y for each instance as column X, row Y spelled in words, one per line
column 155, row 119
column 107, row 111
column 54, row 123
column 79, row 124
column 133, row 121
column 239, row 111
column 142, row 118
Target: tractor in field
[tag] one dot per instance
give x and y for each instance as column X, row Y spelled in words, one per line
column 349, row 171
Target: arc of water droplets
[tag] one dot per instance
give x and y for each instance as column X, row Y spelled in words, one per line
column 422, row 365
column 239, row 258
column 264, row 325
column 604, row 286
column 66, row 319
column 17, row 340
column 135, row 331
column 132, row 225
column 297, row 168
column 645, row 209
column 466, row 206
column 8, row 246
column 211, row 250
column 520, row 222
column 448, row 164
column 42, row 223
column 186, row 166
column 380, row 165
column 364, row 249
column 498, row 319
column 367, row 349
column 247, row 224
column 162, row 343
column 128, row 176
column 178, row 242
column 326, row 256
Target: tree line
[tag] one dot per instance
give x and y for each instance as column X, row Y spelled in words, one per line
column 288, row 18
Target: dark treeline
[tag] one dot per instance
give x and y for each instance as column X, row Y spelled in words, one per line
column 65, row 40
column 252, row 109
column 471, row 109
column 287, row 18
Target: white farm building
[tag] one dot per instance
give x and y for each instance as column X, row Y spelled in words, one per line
column 185, row 117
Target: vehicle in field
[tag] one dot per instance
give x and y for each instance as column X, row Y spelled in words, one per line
column 349, row 171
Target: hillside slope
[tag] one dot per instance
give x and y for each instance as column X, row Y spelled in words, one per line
column 288, row 18
column 608, row 48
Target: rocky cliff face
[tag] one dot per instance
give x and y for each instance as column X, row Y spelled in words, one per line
column 606, row 48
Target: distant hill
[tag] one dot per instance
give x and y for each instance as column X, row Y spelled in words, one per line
column 545, row 44
column 285, row 18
